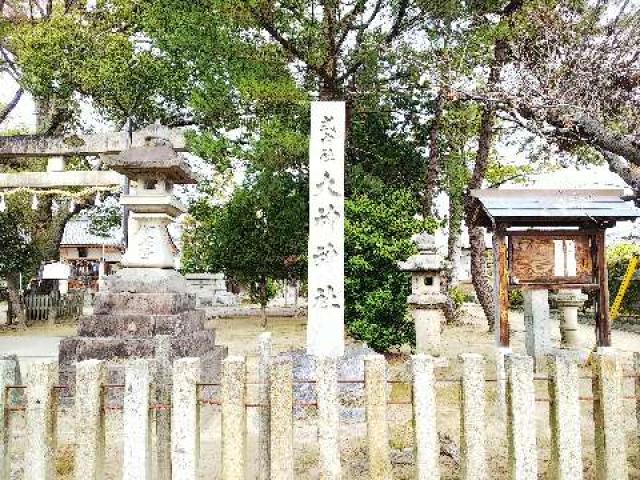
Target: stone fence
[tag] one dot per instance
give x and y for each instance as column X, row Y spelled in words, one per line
column 177, row 440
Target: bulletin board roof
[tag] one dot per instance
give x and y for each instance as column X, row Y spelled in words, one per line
column 538, row 207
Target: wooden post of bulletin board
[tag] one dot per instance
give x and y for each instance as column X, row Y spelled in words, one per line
column 603, row 325
column 502, row 286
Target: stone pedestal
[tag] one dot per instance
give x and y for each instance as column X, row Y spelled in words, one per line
column 210, row 289
column 569, row 301
column 537, row 323
column 137, row 305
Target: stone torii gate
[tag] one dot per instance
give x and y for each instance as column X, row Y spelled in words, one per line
column 57, row 148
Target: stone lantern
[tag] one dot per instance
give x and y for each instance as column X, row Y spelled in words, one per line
column 147, row 309
column 569, row 301
column 153, row 171
column 426, row 302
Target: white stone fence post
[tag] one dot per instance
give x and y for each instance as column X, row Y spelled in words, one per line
column 275, row 399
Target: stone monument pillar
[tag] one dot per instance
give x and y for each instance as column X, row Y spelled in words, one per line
column 569, row 301
column 426, row 302
column 325, row 326
column 537, row 323
column 147, row 297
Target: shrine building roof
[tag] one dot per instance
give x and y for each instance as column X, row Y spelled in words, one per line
column 599, row 208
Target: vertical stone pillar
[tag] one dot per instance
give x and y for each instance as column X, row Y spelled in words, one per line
column 282, row 419
column 472, row 425
column 537, row 323
column 569, row 301
column 636, row 371
column 328, row 418
column 608, row 416
column 521, row 418
column 136, row 464
column 7, row 378
column 91, row 376
column 162, row 395
column 233, row 418
column 41, row 413
column 564, row 418
column 185, row 419
column 424, row 418
column 264, row 381
column 375, row 375
column 325, row 326
column 501, row 381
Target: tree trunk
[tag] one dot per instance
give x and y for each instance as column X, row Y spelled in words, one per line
column 17, row 310
column 432, row 170
column 484, row 290
column 263, row 301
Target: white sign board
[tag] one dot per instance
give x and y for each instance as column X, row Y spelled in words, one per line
column 56, row 271
column 325, row 328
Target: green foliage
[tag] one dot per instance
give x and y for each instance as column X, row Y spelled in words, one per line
column 378, row 226
column 618, row 257
column 516, row 300
column 258, row 236
column 18, row 254
column 104, row 220
column 458, row 296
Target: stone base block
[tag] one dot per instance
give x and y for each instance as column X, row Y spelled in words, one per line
column 116, row 351
column 144, row 303
column 139, row 325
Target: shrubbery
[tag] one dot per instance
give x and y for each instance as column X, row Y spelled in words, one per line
column 378, row 226
column 618, row 257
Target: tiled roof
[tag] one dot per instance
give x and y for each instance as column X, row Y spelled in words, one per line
column 77, row 233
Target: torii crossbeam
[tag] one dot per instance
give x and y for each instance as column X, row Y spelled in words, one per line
column 87, row 145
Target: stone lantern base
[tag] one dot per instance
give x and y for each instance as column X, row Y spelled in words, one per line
column 428, row 317
column 138, row 310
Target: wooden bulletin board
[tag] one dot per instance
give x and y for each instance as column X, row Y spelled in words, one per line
column 550, row 259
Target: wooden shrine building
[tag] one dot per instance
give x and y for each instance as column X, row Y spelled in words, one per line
column 551, row 239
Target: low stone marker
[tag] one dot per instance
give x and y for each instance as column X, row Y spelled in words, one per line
column 233, row 418
column 264, row 417
column 425, row 414
column 281, row 445
column 7, row 377
column 40, row 416
column 566, row 440
column 91, row 376
column 136, row 463
column 328, row 418
column 521, row 419
column 375, row 374
column 185, row 419
column 611, row 452
column 472, row 423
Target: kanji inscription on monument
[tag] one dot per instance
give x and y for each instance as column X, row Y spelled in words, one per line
column 325, row 331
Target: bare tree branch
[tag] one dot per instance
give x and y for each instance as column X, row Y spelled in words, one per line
column 266, row 22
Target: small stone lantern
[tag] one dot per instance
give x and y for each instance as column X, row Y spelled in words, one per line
column 153, row 171
column 569, row 301
column 426, row 302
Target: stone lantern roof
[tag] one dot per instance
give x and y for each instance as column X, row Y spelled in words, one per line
column 427, row 259
column 156, row 157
